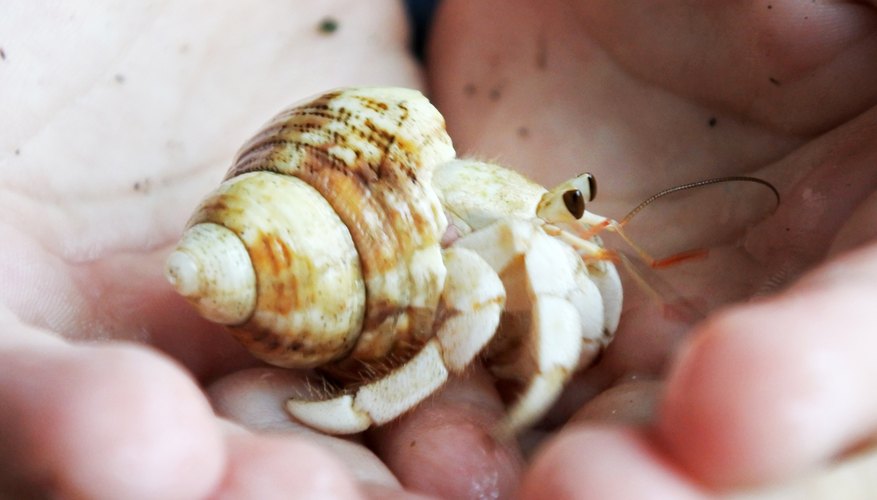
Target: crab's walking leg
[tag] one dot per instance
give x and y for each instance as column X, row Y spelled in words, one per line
column 377, row 402
column 566, row 313
column 471, row 303
column 556, row 347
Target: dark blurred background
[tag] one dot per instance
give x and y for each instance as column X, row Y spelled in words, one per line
column 420, row 14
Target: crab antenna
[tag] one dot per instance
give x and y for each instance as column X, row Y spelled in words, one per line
column 617, row 226
column 696, row 184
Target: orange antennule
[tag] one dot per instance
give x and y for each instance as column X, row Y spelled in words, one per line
column 697, row 253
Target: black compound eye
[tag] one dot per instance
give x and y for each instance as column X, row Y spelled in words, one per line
column 574, row 202
column 592, row 187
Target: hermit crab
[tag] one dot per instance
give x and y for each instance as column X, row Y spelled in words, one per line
column 347, row 238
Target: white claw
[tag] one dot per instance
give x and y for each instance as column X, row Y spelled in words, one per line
column 377, row 402
column 473, row 298
column 566, row 310
column 338, row 415
column 212, row 270
column 555, row 344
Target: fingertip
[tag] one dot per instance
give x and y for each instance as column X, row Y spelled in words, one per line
column 108, row 422
column 255, row 399
column 445, row 446
column 275, row 466
column 632, row 401
column 700, row 406
column 384, row 492
column 603, row 462
column 765, row 392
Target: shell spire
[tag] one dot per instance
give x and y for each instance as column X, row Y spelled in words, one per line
column 332, row 202
column 212, row 269
column 371, row 154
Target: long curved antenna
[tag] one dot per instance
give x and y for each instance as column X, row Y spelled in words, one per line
column 581, row 235
column 617, row 226
column 696, row 184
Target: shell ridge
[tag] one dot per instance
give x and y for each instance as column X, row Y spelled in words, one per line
column 370, row 154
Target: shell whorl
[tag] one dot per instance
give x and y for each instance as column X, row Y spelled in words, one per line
column 211, row 267
column 310, row 296
column 369, row 154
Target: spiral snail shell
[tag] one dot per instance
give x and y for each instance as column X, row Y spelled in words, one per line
column 322, row 248
column 328, row 200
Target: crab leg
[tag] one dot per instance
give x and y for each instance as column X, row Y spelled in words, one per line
column 377, row 402
column 471, row 303
column 556, row 342
column 566, row 314
column 604, row 276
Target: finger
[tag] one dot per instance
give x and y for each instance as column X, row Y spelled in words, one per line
column 784, row 53
column 854, row 478
column 267, row 467
column 445, row 447
column 121, row 296
column 259, row 467
column 379, row 492
column 85, row 245
column 858, row 229
column 256, row 399
column 632, row 402
column 101, row 422
column 604, row 463
column 584, row 387
column 767, row 391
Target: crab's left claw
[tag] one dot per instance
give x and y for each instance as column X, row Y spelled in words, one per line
column 472, row 300
column 567, row 323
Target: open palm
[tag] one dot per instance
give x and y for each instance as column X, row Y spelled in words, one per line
column 109, row 141
column 664, row 93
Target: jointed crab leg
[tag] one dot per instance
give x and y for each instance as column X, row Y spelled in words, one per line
column 555, row 346
column 472, row 300
column 566, row 313
column 592, row 251
column 583, row 246
column 377, row 402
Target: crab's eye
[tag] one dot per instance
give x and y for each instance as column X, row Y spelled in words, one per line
column 574, row 202
column 592, row 187
column 566, row 201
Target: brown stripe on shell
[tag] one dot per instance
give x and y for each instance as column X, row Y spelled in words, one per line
column 304, row 315
column 271, row 252
column 264, row 344
column 389, row 353
column 371, row 155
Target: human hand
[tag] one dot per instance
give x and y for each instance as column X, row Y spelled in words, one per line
column 83, row 248
column 117, row 120
column 659, row 94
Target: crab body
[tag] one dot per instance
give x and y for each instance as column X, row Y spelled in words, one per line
column 323, row 248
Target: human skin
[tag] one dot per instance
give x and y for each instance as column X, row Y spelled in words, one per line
column 118, row 119
column 660, row 93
